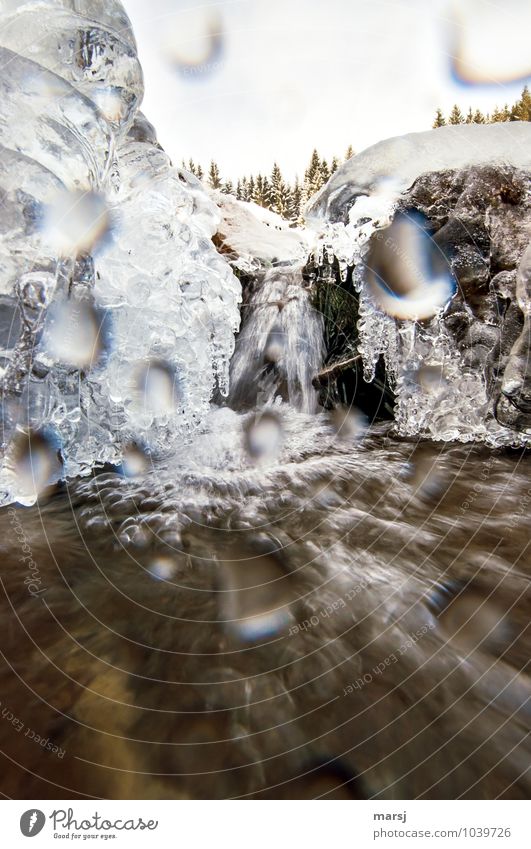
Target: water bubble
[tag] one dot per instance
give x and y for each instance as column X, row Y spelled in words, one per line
column 33, row 459
column 158, row 387
column 488, row 48
column 263, row 436
column 407, row 274
column 76, row 333
column 76, row 222
column 162, row 568
column 193, row 45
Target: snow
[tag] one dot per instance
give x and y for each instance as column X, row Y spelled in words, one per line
column 391, row 166
column 254, row 237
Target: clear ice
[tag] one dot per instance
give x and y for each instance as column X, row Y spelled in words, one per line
column 117, row 314
column 457, row 406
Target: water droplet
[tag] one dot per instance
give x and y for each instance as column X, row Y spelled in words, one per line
column 158, row 386
column 76, row 222
column 34, row 461
column 194, row 42
column 262, row 436
column 349, row 423
column 76, row 333
column 407, row 274
column 425, row 474
column 431, row 378
column 489, row 48
column 275, row 345
column 162, row 568
column 257, row 591
column 135, row 460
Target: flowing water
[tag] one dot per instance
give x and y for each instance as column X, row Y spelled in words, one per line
column 334, row 613
column 262, row 599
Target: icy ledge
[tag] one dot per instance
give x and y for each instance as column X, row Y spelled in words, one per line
column 442, row 392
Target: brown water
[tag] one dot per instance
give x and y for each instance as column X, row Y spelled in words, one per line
column 347, row 619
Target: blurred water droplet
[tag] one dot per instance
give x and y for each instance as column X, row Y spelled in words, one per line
column 425, row 475
column 407, row 274
column 431, row 378
column 135, row 460
column 349, row 423
column 76, row 222
column 488, row 47
column 193, row 42
column 158, row 386
column 257, row 591
column 76, row 333
column 162, row 568
column 262, row 436
column 34, row 461
column 275, row 345
column 474, row 621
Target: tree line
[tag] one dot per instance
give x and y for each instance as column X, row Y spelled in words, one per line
column 519, row 111
column 289, row 198
column 273, row 191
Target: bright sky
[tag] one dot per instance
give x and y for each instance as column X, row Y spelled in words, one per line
column 248, row 82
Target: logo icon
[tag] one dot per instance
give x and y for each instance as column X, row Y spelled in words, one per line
column 32, row 822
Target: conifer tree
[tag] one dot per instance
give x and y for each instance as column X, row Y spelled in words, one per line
column 279, row 192
column 227, row 187
column 521, row 110
column 349, row 153
column 294, row 203
column 479, row 118
column 199, row 172
column 456, row 116
column 469, row 116
column 439, row 120
column 325, row 171
column 334, row 165
column 214, row 178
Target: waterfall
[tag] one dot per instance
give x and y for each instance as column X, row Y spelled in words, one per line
column 280, row 347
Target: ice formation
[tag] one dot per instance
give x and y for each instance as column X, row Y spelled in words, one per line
column 360, row 200
column 117, row 314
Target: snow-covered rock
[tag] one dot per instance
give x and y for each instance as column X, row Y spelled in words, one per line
column 254, row 239
column 391, row 166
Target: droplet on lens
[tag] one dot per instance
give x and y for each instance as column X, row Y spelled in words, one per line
column 162, row 568
column 263, row 436
column 76, row 333
column 257, row 591
column 34, row 461
column 158, row 386
column 407, row 275
column 349, row 423
column 489, row 48
column 194, row 42
column 76, row 222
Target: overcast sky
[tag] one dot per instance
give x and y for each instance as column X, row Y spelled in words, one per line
column 248, row 82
